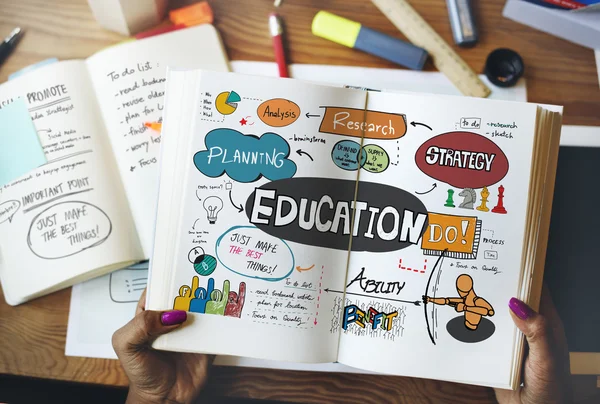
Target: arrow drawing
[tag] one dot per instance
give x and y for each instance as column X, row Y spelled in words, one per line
column 300, row 153
column 436, row 268
column 413, row 123
column 299, row 269
column 239, row 208
column 434, row 186
column 416, row 302
column 308, row 115
column 194, row 225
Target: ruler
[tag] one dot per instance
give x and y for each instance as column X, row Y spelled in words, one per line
column 419, row 32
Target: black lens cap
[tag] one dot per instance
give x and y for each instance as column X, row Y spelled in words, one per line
column 504, row 67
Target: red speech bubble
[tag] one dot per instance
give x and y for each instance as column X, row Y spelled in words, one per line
column 462, row 159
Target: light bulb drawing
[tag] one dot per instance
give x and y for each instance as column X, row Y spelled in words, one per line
column 212, row 205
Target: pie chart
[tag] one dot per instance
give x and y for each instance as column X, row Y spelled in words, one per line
column 227, row 102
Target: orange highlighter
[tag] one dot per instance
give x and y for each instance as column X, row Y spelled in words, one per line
column 156, row 126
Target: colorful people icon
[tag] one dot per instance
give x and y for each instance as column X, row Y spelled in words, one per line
column 201, row 297
column 210, row 300
column 186, row 294
column 235, row 303
column 218, row 300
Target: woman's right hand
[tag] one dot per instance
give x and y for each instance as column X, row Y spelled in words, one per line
column 546, row 372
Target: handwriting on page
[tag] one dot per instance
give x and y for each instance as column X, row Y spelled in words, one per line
column 55, row 102
column 249, row 252
column 138, row 90
column 68, row 228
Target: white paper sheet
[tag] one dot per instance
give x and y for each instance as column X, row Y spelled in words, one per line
column 101, row 306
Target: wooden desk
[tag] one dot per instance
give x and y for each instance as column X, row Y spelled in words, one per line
column 32, row 336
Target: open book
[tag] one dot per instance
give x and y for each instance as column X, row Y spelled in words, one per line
column 91, row 208
column 312, row 224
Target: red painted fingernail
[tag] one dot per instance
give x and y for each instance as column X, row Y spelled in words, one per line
column 522, row 310
column 173, row 317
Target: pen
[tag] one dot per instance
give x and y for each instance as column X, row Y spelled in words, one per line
column 9, row 43
column 462, row 22
column 277, row 34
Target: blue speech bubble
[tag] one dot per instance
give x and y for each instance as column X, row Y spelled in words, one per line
column 250, row 252
column 345, row 155
column 245, row 158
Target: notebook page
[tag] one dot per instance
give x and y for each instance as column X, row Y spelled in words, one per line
column 256, row 168
column 69, row 216
column 452, row 199
column 130, row 82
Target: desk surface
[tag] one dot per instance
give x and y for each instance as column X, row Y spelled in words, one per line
column 33, row 335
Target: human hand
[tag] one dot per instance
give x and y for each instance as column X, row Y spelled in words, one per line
column 158, row 376
column 546, row 372
column 460, row 307
column 426, row 299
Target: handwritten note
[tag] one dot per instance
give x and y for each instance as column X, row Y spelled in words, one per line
column 130, row 83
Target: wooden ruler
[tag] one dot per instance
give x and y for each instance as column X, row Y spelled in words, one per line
column 419, row 32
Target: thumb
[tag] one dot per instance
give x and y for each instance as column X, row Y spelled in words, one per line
column 536, row 329
column 144, row 328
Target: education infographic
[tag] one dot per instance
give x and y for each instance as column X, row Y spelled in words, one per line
column 388, row 219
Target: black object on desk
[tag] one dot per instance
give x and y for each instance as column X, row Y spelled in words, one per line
column 9, row 43
column 572, row 267
column 504, row 67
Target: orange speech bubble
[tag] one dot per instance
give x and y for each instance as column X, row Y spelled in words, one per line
column 354, row 122
column 459, row 235
column 278, row 112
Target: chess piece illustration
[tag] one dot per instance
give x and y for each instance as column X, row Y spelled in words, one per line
column 499, row 208
column 450, row 201
column 470, row 197
column 485, row 194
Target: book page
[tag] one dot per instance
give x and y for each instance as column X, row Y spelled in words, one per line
column 69, row 216
column 130, row 83
column 262, row 229
column 438, row 253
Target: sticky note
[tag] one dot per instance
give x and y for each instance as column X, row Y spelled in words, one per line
column 21, row 149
